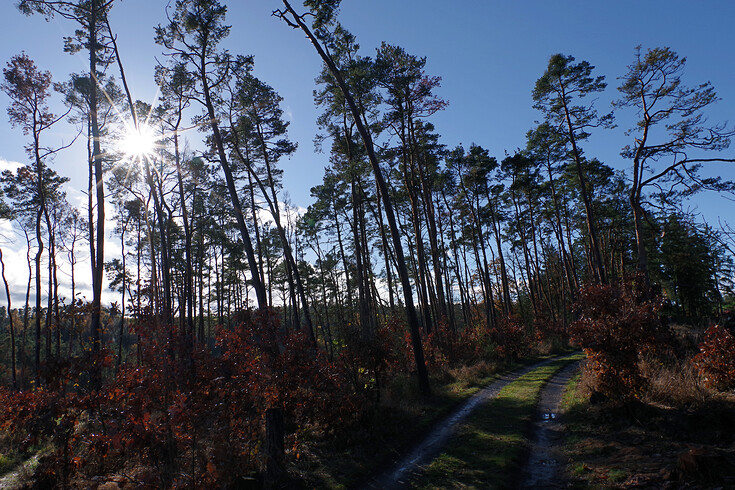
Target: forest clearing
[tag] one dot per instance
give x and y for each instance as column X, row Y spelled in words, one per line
column 553, row 311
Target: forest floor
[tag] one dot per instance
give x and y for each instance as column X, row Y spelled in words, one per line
column 373, row 450
column 648, row 445
column 20, row 473
column 533, row 427
column 570, row 442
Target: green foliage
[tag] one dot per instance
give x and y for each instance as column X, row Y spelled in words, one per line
column 654, row 87
column 669, row 135
column 324, row 12
column 28, row 88
column 687, row 268
column 198, row 22
column 562, row 83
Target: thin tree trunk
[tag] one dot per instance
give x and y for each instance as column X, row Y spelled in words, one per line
column 598, row 267
column 413, row 323
column 507, row 304
column 37, row 348
column 260, row 292
column 98, row 256
column 386, row 252
column 12, row 325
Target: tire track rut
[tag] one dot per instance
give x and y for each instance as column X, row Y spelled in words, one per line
column 545, row 459
column 400, row 473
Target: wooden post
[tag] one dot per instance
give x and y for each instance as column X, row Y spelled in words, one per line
column 274, row 446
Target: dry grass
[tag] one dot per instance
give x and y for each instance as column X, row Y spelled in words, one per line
column 649, row 441
column 587, row 383
column 452, row 383
column 674, row 385
column 475, row 375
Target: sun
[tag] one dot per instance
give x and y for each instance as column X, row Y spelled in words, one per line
column 138, row 142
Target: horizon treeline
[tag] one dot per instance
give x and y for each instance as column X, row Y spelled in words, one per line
column 441, row 237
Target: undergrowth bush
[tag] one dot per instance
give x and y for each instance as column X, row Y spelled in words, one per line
column 185, row 408
column 366, row 362
column 617, row 325
column 510, row 338
column 551, row 335
column 716, row 358
column 189, row 415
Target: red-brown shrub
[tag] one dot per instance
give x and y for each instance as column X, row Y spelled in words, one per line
column 617, row 325
column 510, row 338
column 716, row 359
column 191, row 409
column 550, row 333
column 442, row 347
column 475, row 343
column 365, row 363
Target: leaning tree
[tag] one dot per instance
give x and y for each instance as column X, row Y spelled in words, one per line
column 670, row 135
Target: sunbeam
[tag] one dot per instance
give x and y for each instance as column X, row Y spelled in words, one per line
column 140, row 142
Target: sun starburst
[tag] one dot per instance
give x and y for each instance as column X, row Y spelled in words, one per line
column 138, row 142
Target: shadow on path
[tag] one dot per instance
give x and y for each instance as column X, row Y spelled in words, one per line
column 545, row 458
column 399, row 475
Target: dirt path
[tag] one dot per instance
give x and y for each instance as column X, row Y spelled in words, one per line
column 545, row 458
column 400, row 474
column 18, row 477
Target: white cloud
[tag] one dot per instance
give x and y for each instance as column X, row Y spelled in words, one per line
column 9, row 165
column 16, row 272
column 76, row 198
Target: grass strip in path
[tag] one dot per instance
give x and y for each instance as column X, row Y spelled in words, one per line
column 487, row 450
column 18, row 476
column 544, row 467
column 401, row 472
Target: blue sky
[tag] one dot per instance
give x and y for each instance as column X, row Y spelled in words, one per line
column 489, row 54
